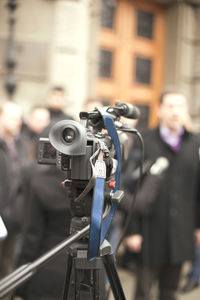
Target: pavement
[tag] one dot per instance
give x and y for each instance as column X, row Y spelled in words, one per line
column 128, row 281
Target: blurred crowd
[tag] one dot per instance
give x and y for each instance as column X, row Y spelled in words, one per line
column 164, row 231
column 33, row 204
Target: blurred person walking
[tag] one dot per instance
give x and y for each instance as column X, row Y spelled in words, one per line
column 13, row 153
column 161, row 238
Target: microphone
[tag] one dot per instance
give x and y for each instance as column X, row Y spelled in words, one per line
column 127, row 110
column 150, row 186
column 159, row 166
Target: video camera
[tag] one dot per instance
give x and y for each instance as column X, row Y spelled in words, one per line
column 71, row 144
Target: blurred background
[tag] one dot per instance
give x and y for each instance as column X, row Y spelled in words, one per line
column 100, row 49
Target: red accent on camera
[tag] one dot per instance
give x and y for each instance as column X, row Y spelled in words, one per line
column 112, row 184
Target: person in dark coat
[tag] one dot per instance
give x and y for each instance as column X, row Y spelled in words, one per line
column 13, row 154
column 162, row 239
column 47, row 223
column 193, row 278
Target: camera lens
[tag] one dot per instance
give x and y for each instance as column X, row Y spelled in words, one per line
column 68, row 135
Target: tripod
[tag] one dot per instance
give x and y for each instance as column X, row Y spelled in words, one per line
column 78, row 264
column 85, row 279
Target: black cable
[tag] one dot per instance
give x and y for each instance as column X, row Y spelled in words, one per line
column 133, row 131
column 131, row 211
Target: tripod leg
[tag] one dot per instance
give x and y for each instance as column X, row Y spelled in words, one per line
column 88, row 285
column 78, row 284
column 110, row 266
column 68, row 277
column 96, row 289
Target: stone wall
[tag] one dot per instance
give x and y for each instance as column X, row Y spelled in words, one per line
column 54, row 47
column 33, row 32
column 182, row 55
column 57, row 43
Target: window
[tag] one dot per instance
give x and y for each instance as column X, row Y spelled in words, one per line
column 143, row 120
column 145, row 24
column 108, row 13
column 105, row 65
column 143, row 70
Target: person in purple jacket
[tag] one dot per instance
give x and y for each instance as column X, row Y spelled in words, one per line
column 163, row 239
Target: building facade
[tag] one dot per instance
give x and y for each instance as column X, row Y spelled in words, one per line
column 104, row 49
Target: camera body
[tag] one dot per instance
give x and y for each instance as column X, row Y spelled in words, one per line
column 71, row 147
column 78, row 167
column 71, row 144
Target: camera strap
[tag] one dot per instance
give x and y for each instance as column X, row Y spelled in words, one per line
column 110, row 126
column 99, row 229
column 97, row 207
